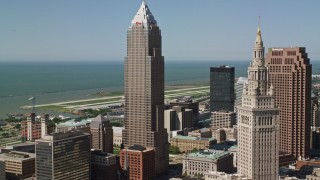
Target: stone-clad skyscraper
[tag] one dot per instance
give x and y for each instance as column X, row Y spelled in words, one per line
column 144, row 88
column 258, row 127
column 290, row 74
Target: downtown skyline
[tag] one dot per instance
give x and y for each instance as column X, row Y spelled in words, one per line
column 95, row 30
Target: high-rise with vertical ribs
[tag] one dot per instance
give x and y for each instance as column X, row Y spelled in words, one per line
column 258, row 127
column 290, row 74
column 144, row 88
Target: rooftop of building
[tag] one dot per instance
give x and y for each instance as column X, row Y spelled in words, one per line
column 223, row 66
column 62, row 135
column 183, row 100
column 242, row 80
column 72, row 123
column 97, row 152
column 17, row 156
column 208, row 154
column 226, row 145
column 202, row 130
column 223, row 112
column 137, row 147
column 117, row 130
column 98, row 121
column 193, row 138
column 144, row 16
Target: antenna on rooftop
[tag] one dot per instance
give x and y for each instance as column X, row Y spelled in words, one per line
column 259, row 20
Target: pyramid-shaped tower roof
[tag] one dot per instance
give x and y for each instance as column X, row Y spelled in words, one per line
column 144, row 16
column 98, row 121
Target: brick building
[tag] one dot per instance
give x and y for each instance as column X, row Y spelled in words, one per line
column 138, row 161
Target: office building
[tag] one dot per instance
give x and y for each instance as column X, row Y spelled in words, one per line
column 177, row 118
column 138, row 161
column 290, row 75
column 61, row 156
column 223, row 119
column 189, row 143
column 144, row 88
column 117, row 135
column 103, row 165
column 315, row 115
column 188, row 103
column 18, row 165
column 209, row 160
column 101, row 134
column 71, row 125
column 222, row 94
column 258, row 141
column 239, row 90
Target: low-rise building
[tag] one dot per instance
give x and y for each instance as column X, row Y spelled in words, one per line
column 138, row 162
column 225, row 134
column 103, row 165
column 189, row 143
column 202, row 133
column 209, row 160
column 117, row 135
column 18, row 165
column 215, row 175
column 315, row 175
column 223, row 119
column 229, row 146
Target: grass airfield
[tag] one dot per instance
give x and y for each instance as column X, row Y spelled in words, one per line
column 114, row 98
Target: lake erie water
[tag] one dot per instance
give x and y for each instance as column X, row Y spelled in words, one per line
column 60, row 81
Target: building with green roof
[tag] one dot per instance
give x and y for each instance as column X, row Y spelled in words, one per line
column 208, row 160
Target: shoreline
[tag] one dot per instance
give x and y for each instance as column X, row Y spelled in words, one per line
column 12, row 104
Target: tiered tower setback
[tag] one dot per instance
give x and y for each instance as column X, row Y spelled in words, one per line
column 258, row 122
column 290, row 73
column 144, row 88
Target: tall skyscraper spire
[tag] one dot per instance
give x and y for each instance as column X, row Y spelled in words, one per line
column 144, row 16
column 258, row 122
column 144, row 88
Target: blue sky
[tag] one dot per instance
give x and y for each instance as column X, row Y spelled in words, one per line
column 95, row 30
